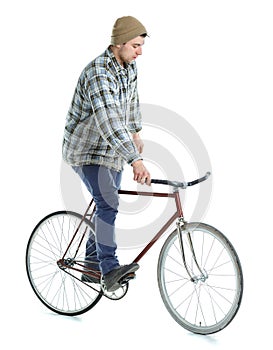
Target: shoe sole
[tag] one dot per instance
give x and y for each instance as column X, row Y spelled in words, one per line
column 125, row 279
column 117, row 284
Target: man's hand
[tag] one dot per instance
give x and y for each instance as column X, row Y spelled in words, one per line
column 141, row 174
column 138, row 142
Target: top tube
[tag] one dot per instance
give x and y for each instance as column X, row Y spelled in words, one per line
column 182, row 185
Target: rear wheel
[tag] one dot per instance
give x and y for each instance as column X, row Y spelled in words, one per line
column 59, row 286
column 201, row 300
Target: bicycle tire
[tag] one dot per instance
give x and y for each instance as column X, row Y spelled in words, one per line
column 203, row 304
column 58, row 289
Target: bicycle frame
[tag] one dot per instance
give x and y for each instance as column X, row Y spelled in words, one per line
column 64, row 263
column 178, row 214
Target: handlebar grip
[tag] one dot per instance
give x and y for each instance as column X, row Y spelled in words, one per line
column 170, row 183
column 181, row 184
column 159, row 182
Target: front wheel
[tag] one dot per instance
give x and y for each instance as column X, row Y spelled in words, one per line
column 203, row 294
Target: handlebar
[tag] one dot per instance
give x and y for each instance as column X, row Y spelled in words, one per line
column 181, row 184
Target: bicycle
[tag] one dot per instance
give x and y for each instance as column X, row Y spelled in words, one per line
column 199, row 273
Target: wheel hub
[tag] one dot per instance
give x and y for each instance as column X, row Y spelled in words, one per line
column 202, row 277
column 64, row 263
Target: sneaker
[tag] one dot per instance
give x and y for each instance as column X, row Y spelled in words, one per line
column 112, row 278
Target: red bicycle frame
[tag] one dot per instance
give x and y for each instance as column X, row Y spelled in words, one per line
column 176, row 215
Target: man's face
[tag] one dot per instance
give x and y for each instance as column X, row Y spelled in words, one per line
column 131, row 50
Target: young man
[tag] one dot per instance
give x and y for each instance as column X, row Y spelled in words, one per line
column 102, row 133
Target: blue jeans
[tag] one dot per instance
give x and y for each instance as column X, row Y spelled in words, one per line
column 103, row 184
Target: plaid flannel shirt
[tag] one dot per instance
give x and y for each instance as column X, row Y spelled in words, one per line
column 103, row 113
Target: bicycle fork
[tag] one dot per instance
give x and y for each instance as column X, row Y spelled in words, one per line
column 193, row 277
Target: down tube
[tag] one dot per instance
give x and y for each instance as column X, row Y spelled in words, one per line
column 156, row 237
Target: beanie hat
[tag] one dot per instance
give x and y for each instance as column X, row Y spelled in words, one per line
column 125, row 29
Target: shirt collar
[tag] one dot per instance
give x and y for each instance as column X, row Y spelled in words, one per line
column 117, row 66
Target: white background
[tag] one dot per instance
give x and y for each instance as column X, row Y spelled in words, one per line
column 209, row 61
